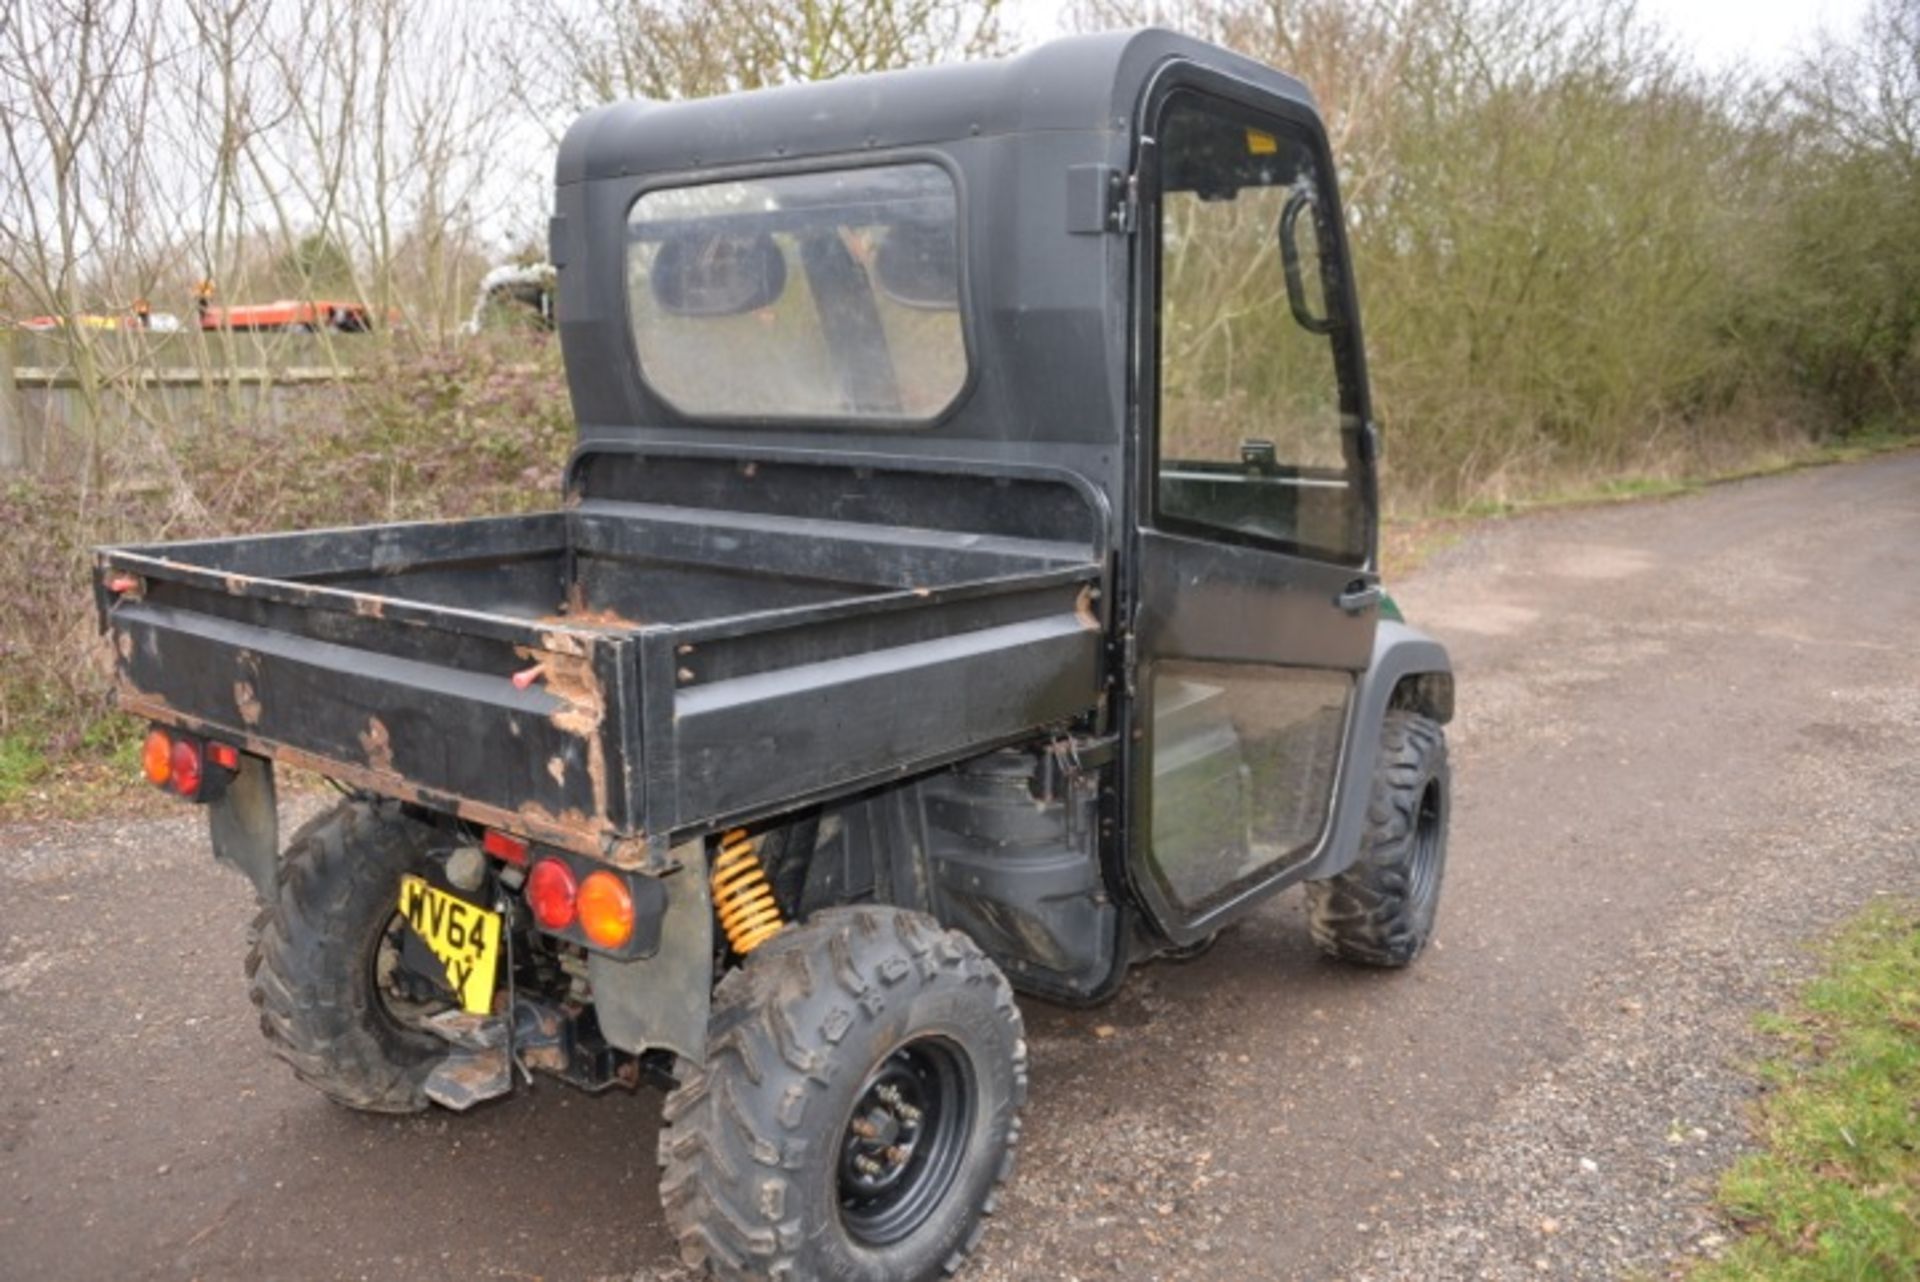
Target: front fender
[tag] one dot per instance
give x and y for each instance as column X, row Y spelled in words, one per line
column 1402, row 656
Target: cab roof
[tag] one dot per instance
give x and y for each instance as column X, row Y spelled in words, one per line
column 1079, row 83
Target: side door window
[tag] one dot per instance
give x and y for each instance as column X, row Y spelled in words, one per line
column 1256, row 445
column 1256, row 423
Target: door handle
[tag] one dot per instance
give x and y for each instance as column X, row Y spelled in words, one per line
column 1359, row 596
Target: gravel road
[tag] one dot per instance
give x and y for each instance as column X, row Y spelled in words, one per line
column 1687, row 744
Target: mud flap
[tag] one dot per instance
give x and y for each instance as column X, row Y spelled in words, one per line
column 244, row 823
column 661, row 1002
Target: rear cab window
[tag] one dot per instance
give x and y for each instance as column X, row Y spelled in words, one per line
column 832, row 294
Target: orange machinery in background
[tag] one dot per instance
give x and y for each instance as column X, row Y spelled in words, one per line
column 292, row 315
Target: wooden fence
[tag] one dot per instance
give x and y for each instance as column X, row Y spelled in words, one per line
column 48, row 417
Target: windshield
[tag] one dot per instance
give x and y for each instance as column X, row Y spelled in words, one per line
column 805, row 296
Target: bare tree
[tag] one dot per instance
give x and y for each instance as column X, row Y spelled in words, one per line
column 77, row 100
column 1843, row 296
column 564, row 56
column 1864, row 91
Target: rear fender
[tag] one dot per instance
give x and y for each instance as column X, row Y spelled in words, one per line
column 661, row 1002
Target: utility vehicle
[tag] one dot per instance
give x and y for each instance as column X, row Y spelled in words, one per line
column 964, row 584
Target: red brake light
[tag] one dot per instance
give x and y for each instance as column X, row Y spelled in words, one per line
column 505, row 846
column 224, row 755
column 606, row 909
column 187, row 768
column 156, row 757
column 552, row 893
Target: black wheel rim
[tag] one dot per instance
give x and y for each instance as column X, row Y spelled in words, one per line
column 905, row 1140
column 405, row 1005
column 1423, row 874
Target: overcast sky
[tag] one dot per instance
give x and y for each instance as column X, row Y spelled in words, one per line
column 1763, row 32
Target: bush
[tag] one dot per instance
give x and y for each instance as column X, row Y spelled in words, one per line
column 1582, row 257
column 461, row 432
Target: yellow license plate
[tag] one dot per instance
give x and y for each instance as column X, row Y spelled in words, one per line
column 462, row 937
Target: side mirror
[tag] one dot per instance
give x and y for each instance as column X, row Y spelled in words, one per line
column 705, row 274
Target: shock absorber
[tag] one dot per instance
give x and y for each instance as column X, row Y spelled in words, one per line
column 742, row 896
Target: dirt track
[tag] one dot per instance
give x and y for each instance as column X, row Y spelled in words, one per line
column 1688, row 740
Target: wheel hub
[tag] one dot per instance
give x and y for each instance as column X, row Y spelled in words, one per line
column 884, row 1131
column 904, row 1141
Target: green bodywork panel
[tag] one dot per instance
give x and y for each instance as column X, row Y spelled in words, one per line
column 1390, row 608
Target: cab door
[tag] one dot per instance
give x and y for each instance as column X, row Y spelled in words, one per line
column 1254, row 592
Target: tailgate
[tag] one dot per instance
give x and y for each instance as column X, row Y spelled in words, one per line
column 414, row 701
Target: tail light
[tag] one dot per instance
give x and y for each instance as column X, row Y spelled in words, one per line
column 606, row 910
column 188, row 768
column 552, row 893
column 191, row 768
column 156, row 757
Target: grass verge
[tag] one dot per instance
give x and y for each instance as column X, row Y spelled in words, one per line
column 1408, row 540
column 1848, row 448
column 1834, row 1192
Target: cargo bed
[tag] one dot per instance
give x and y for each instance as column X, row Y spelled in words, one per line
column 607, row 677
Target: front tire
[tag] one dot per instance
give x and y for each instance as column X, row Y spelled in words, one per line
column 314, row 968
column 1380, row 911
column 858, row 1109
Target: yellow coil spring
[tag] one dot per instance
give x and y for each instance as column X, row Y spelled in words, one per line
column 744, row 900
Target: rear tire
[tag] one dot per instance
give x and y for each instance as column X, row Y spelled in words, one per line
column 312, row 969
column 1380, row 911
column 858, row 1108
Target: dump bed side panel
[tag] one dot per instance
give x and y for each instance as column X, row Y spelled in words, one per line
column 748, row 737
